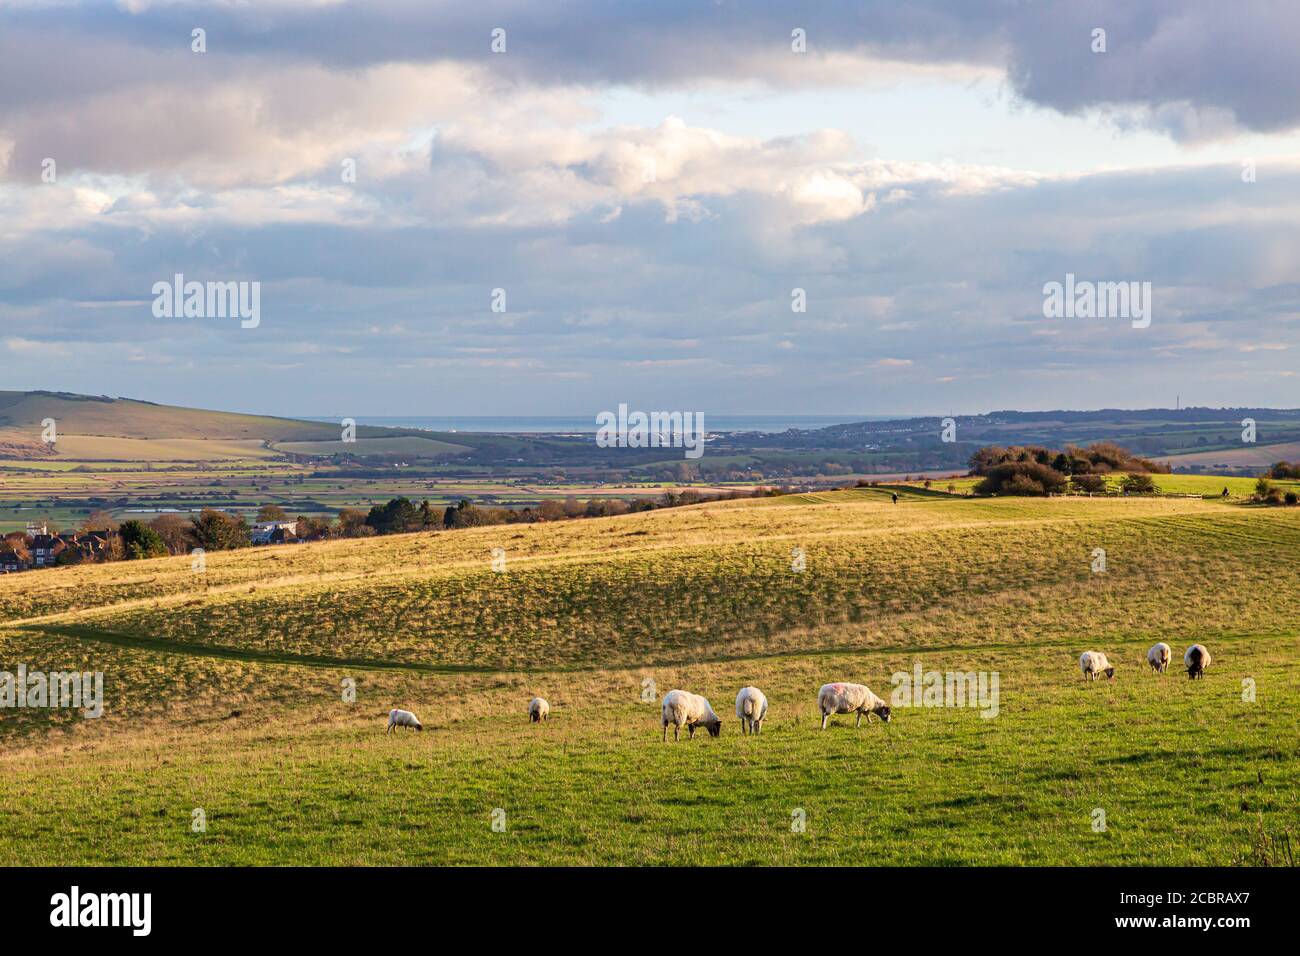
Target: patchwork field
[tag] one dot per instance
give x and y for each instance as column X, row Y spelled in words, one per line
column 96, row 448
column 64, row 493
column 1244, row 456
column 224, row 691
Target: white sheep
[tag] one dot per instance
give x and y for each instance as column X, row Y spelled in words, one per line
column 1158, row 657
column 1197, row 659
column 538, row 710
column 846, row 699
column 402, row 718
column 683, row 709
column 751, row 708
column 1093, row 663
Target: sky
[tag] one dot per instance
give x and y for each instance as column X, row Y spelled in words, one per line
column 522, row 208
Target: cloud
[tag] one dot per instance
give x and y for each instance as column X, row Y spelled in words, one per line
column 289, row 89
column 646, row 261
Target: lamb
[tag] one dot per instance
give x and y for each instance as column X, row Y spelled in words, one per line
column 1093, row 663
column 683, row 709
column 1158, row 657
column 1197, row 659
column 402, row 718
column 848, row 698
column 751, row 708
column 538, row 710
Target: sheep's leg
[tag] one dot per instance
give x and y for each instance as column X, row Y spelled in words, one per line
column 676, row 730
column 858, row 723
column 389, row 730
column 758, row 726
column 690, row 729
column 824, row 716
column 665, row 731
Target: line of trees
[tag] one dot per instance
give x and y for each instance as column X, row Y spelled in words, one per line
column 214, row 530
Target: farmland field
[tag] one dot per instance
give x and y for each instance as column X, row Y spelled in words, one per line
column 65, row 492
column 223, row 690
column 1241, row 456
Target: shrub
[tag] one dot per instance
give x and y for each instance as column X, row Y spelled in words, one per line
column 1137, row 484
column 1035, row 479
column 1291, row 498
column 1091, row 484
column 1023, row 485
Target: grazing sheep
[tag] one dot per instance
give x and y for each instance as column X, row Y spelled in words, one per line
column 848, row 698
column 1093, row 663
column 538, row 710
column 683, row 709
column 402, row 718
column 751, row 708
column 1158, row 657
column 1197, row 659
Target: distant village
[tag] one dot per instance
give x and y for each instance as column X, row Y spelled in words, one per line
column 38, row 546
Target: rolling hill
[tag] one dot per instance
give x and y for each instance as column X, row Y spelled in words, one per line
column 227, row 690
column 91, row 428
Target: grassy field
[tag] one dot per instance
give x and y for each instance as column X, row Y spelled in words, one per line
column 223, row 691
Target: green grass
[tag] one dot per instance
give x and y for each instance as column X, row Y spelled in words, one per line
column 702, row 598
column 1186, row 773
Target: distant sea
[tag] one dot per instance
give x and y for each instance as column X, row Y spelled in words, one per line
column 542, row 424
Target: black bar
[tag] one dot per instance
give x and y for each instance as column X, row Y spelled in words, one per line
column 333, row 905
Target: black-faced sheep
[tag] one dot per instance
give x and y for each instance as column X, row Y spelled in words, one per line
column 1197, row 659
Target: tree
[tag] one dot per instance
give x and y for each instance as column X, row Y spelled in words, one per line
column 352, row 524
column 141, row 541
column 428, row 517
column 16, row 541
column 174, row 531
column 271, row 513
column 463, row 515
column 217, row 531
column 312, row 529
column 396, row 517
column 99, row 520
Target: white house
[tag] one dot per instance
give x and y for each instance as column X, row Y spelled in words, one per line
column 264, row 531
